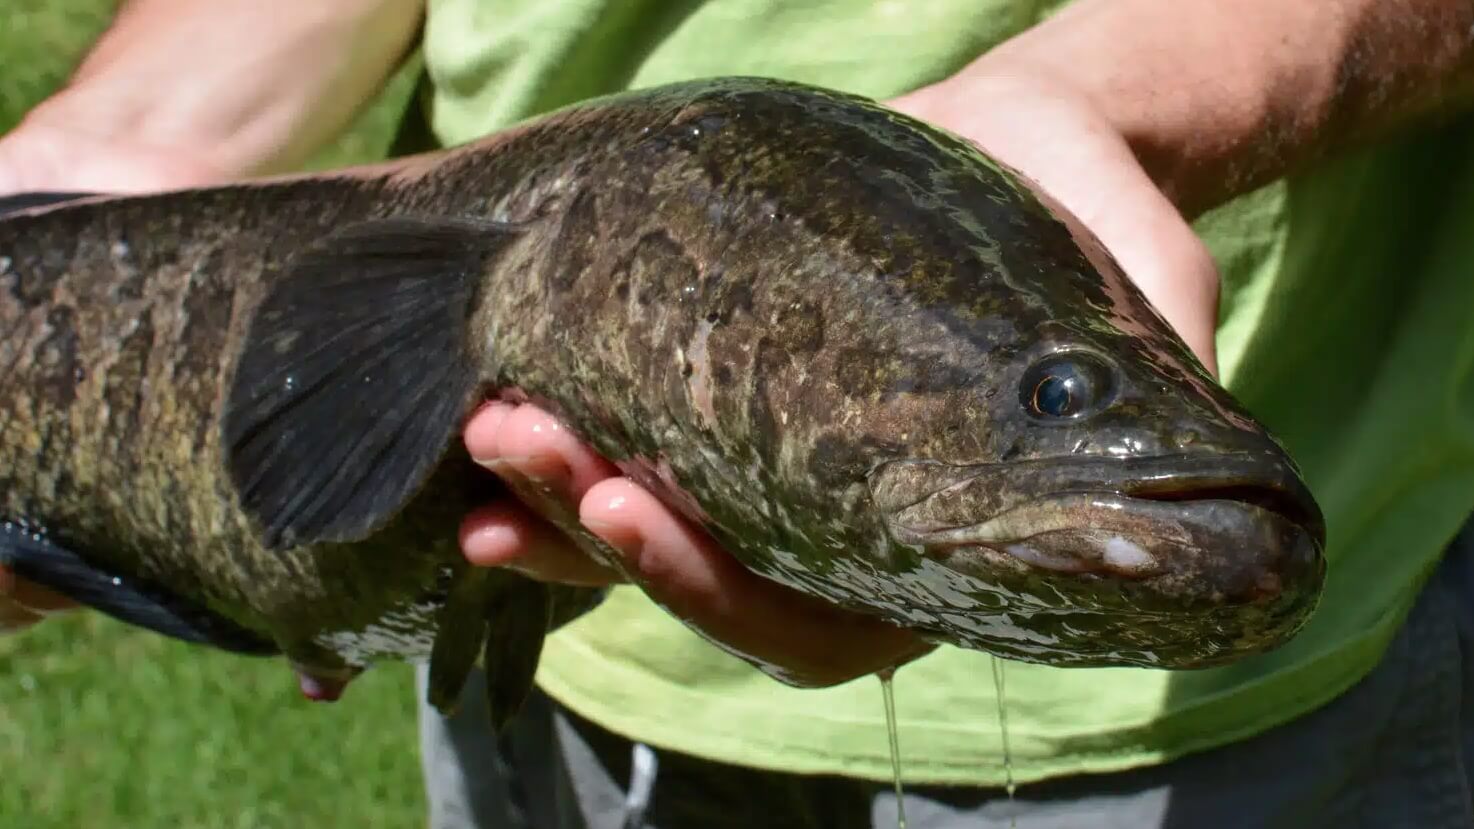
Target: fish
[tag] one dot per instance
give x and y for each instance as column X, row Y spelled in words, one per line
column 876, row 365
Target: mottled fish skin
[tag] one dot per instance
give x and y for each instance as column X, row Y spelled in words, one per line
column 119, row 319
column 799, row 318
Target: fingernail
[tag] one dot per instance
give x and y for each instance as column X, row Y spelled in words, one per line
column 491, row 546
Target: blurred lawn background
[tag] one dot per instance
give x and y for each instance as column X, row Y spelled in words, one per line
column 105, row 726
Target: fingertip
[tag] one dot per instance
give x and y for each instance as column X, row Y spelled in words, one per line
column 506, row 535
column 538, row 446
column 482, row 429
column 673, row 560
column 493, row 536
column 615, row 509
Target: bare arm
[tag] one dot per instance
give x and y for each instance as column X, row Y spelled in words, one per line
column 1217, row 97
column 185, row 92
column 1136, row 113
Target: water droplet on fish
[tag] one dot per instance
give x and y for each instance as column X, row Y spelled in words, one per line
column 117, row 582
column 1008, row 784
column 290, row 383
column 888, row 693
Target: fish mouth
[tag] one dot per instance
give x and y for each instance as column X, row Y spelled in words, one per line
column 1218, row 555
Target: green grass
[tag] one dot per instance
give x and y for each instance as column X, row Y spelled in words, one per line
column 105, row 726
column 102, row 726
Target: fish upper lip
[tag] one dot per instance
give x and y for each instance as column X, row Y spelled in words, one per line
column 1266, row 480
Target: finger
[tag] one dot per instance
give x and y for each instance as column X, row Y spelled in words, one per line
column 1156, row 247
column 480, row 434
column 793, row 637
column 1081, row 162
column 507, row 535
column 548, row 469
column 533, row 444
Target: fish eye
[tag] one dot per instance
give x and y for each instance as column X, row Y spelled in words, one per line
column 1066, row 386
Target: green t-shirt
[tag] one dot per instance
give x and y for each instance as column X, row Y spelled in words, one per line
column 1347, row 311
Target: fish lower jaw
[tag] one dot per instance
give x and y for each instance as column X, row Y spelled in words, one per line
column 1073, row 534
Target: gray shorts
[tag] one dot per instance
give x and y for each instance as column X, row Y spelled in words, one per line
column 1392, row 752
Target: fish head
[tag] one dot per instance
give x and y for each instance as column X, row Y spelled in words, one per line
column 1127, row 521
column 1045, row 470
column 1127, row 507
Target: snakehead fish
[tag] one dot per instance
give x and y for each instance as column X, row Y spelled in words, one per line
column 875, row 365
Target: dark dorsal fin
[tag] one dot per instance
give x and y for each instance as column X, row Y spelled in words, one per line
column 38, row 559
column 25, row 201
column 357, row 370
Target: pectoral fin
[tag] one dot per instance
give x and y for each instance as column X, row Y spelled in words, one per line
column 458, row 638
column 511, row 616
column 518, row 621
column 358, row 369
column 36, row 558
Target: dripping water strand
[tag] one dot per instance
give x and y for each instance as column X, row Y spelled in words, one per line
column 888, row 692
column 1008, row 784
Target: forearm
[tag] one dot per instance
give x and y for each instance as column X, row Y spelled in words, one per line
column 1217, row 97
column 240, row 86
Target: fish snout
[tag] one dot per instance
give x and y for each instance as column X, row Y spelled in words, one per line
column 1185, row 546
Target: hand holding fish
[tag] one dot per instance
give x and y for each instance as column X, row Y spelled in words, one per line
column 1085, row 163
column 1078, row 154
column 795, row 637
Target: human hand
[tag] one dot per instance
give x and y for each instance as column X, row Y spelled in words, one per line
column 43, row 155
column 51, row 153
column 793, row 637
column 1056, row 137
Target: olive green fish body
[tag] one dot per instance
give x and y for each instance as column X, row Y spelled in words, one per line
column 866, row 358
column 796, row 315
column 123, row 319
